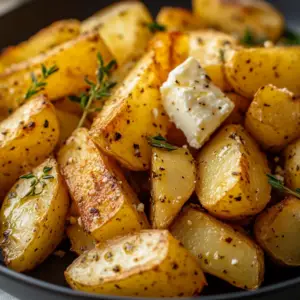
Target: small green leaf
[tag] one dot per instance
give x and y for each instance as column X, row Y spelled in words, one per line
column 154, row 27
column 47, row 177
column 161, row 142
column 47, row 169
column 27, row 176
column 277, row 184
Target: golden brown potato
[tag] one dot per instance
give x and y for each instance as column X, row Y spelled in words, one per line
column 237, row 16
column 75, row 59
column 80, row 240
column 66, row 105
column 46, row 39
column 209, row 48
column 273, row 117
column 231, row 178
column 130, row 115
column 292, row 165
column 221, row 250
column 241, row 105
column 107, row 205
column 151, row 258
column 178, row 19
column 277, row 231
column 33, row 216
column 123, row 27
column 173, row 178
column 27, row 137
column 249, row 69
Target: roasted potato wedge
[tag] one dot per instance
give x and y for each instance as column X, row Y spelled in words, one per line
column 277, row 231
column 76, row 60
column 27, row 137
column 106, row 203
column 56, row 34
column 209, row 48
column 130, row 115
column 236, row 17
column 33, row 217
column 80, row 240
column 123, row 27
column 292, row 165
column 241, row 105
column 151, row 258
column 68, row 123
column 221, row 250
column 178, row 19
column 273, row 117
column 247, row 70
column 173, row 179
column 231, row 178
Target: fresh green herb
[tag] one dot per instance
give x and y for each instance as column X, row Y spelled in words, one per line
column 10, row 111
column 39, row 84
column 222, row 55
column 154, row 27
column 249, row 39
column 98, row 91
column 289, row 38
column 160, row 142
column 37, row 184
column 277, row 184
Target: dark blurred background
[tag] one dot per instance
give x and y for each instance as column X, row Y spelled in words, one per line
column 20, row 23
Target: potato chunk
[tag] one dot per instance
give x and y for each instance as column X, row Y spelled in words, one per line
column 130, row 115
column 123, row 27
column 80, row 240
column 232, row 181
column 221, row 250
column 273, row 117
column 150, row 263
column 32, row 221
column 76, row 60
column 277, row 231
column 235, row 17
column 247, row 70
column 178, row 19
column 27, row 137
column 209, row 48
column 292, row 165
column 56, row 34
column 106, row 203
column 173, row 179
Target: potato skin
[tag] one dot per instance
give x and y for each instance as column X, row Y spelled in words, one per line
column 107, row 205
column 247, row 70
column 153, row 258
column 273, row 117
column 173, row 178
column 221, row 250
column 235, row 17
column 28, row 136
column 209, row 47
column 178, row 19
column 231, row 177
column 69, row 80
column 277, row 231
column 55, row 34
column 123, row 27
column 292, row 165
column 32, row 227
column 132, row 114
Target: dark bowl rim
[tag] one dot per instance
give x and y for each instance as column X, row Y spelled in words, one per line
column 50, row 287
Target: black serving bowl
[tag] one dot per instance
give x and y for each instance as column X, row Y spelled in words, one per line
column 47, row 281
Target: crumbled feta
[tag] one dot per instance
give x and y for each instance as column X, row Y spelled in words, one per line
column 140, row 207
column 194, row 103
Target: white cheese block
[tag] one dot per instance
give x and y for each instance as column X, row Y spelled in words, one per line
column 194, row 103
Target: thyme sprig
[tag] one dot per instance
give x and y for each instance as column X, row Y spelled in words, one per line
column 37, row 184
column 154, row 27
column 279, row 185
column 250, row 40
column 38, row 85
column 98, row 90
column 160, row 142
